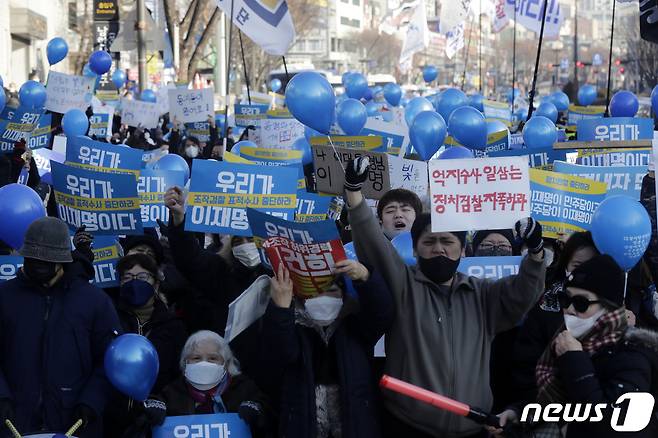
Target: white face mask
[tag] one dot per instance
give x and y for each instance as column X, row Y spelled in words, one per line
column 580, row 326
column 247, row 254
column 192, row 151
column 323, row 309
column 204, row 375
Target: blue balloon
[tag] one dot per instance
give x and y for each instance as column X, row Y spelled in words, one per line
column 404, row 102
column 175, row 162
column 449, row 100
column 560, row 100
column 132, row 365
column 496, row 126
column 624, row 104
column 310, row 132
column 621, row 228
column 392, row 94
column 88, row 72
column 310, row 99
column 427, row 133
column 403, row 244
column 456, row 152
column 430, row 73
column 100, row 62
column 367, row 95
column 352, row 116
column 356, row 86
column 376, row 91
column 477, row 102
column 19, row 208
column 32, row 95
column 275, row 85
column 3, row 99
column 302, row 145
column 350, row 252
column 119, row 78
column 416, row 106
column 469, row 127
column 56, row 50
column 521, row 113
column 148, row 96
column 587, row 95
column 547, row 110
column 539, row 132
column 345, row 77
column 512, row 97
column 373, row 108
column 75, row 123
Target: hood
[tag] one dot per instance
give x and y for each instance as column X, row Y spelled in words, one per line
column 642, row 338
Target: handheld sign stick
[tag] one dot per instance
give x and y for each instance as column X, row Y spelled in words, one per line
column 73, row 428
column 12, row 429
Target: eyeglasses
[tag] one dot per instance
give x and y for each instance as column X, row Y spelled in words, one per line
column 143, row 276
column 489, row 246
column 580, row 303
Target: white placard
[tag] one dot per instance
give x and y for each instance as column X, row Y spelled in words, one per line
column 188, row 106
column 279, row 133
column 65, row 92
column 477, row 194
column 59, row 144
column 137, row 112
column 248, row 307
column 408, row 174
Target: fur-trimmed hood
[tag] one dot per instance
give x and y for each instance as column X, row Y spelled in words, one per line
column 642, row 338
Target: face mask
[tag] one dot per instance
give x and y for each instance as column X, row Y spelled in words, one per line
column 323, row 309
column 439, row 269
column 205, row 375
column 247, row 254
column 39, row 271
column 493, row 252
column 192, row 151
column 580, row 326
column 136, row 292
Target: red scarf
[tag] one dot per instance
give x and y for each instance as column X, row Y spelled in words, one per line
column 205, row 399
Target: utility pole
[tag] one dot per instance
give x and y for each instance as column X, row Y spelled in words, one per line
column 220, row 65
column 575, row 45
column 140, row 27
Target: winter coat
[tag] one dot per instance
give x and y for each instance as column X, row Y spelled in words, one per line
column 287, row 356
column 52, row 345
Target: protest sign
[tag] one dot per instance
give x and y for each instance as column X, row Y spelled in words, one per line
column 276, row 157
column 615, row 129
column 100, row 125
column 490, row 267
column 107, row 252
column 230, row 157
column 312, row 207
column 618, row 180
column 476, row 194
column 106, row 203
column 187, row 106
column 59, row 144
column 9, row 266
column 40, row 136
column 372, row 143
column 564, row 203
column 221, row 192
column 246, row 115
column 395, row 137
column 497, row 111
column 330, row 174
column 578, row 113
column 308, row 250
column 537, row 157
column 279, row 133
column 516, row 141
column 151, row 186
column 150, row 157
column 86, row 153
column 7, row 112
column 200, row 130
column 139, row 113
column 409, row 174
column 203, row 426
column 42, row 158
column 248, row 307
column 614, row 157
column 21, row 124
column 65, row 92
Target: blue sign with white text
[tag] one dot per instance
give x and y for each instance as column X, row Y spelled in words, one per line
column 203, row 426
column 9, row 266
column 102, row 157
column 312, row 207
column 106, row 256
column 620, row 180
column 537, row 157
column 490, row 267
column 151, row 186
column 615, row 129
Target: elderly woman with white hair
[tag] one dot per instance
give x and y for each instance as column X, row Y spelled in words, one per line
column 212, row 383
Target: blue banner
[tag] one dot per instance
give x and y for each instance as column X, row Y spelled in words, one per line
column 276, row 157
column 19, row 126
column 393, row 137
column 8, row 112
column 106, row 203
column 246, row 115
column 577, row 113
column 106, row 251
column 619, row 180
column 614, row 157
column 615, row 129
column 312, row 207
column 203, row 426
column 490, row 267
column 99, row 125
column 9, row 266
column 42, row 158
column 151, row 186
column 221, row 192
column 150, row 157
column 200, row 130
column 537, row 157
column 516, row 141
column 94, row 155
column 40, row 136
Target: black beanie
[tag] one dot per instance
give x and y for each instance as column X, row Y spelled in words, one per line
column 145, row 239
column 425, row 219
column 600, row 275
column 479, row 236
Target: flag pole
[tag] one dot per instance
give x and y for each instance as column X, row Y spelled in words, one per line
column 285, row 67
column 244, row 66
column 534, row 78
column 480, row 47
column 228, row 72
column 513, row 65
column 468, row 49
column 612, row 37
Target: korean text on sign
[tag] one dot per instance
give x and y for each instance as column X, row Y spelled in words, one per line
column 372, row 143
column 102, row 157
column 151, row 186
column 203, row 426
column 107, row 252
column 279, row 133
column 615, row 129
column 139, row 113
column 106, row 203
column 9, row 266
column 475, row 194
column 65, row 92
column 312, row 207
column 221, row 192
column 614, row 157
column 189, row 106
column 309, row 251
column 618, row 180
column 490, row 267
column 22, row 122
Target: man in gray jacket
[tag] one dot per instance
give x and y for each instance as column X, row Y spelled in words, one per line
column 445, row 321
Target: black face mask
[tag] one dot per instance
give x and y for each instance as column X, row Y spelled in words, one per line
column 439, row 269
column 39, row 271
column 493, row 252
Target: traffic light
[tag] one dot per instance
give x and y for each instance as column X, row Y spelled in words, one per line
column 617, row 62
column 622, row 70
column 580, row 64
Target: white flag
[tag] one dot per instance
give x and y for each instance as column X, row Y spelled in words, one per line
column 267, row 22
column 529, row 15
column 396, row 20
column 455, row 40
column 453, row 12
column 418, row 35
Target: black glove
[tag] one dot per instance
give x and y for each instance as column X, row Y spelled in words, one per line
column 82, row 241
column 6, row 411
column 155, row 411
column 84, row 413
column 529, row 231
column 252, row 414
column 356, row 173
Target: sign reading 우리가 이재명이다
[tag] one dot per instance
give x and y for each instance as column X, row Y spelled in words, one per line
column 490, row 267
column 221, row 192
column 476, row 194
column 564, row 203
column 106, row 203
column 22, row 122
column 151, row 186
column 246, row 115
column 308, row 250
column 65, row 92
column 312, row 207
column 100, row 125
column 187, row 106
column 619, row 180
column 206, row 426
column 39, row 138
column 615, row 129
column 614, row 157
column 98, row 156
column 9, row 266
column 106, row 256
column 139, row 113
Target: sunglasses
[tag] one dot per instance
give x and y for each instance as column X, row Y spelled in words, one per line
column 580, row 303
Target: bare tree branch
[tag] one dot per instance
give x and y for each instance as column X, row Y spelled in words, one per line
column 193, row 3
column 170, row 19
column 205, row 37
column 193, row 23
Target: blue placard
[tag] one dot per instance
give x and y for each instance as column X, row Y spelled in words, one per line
column 94, row 155
column 246, row 115
column 151, row 186
column 7, row 112
column 312, row 207
column 220, row 193
column 9, row 266
column 21, row 123
column 106, row 203
column 40, row 137
column 98, row 125
column 614, row 157
column 537, row 157
column 615, row 129
column 203, row 426
column 516, row 141
column 106, row 256
column 42, row 158
column 620, row 180
column 391, row 142
column 200, row 130
column 490, row 267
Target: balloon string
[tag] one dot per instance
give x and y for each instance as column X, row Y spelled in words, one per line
column 12, row 429
column 336, row 153
column 625, row 285
column 73, row 428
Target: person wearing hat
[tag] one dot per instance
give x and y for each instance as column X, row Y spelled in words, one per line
column 54, row 330
column 596, row 357
column 494, row 243
column 445, row 321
